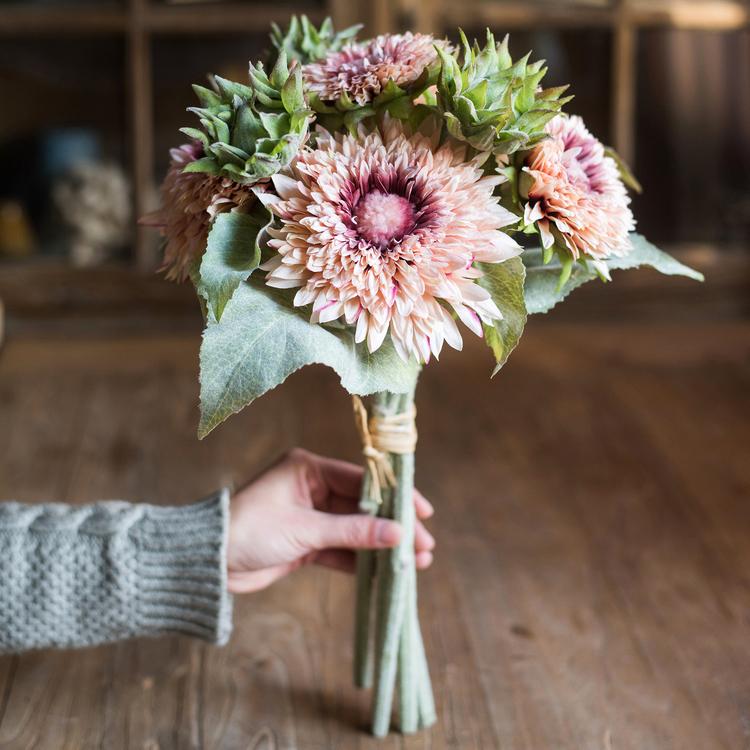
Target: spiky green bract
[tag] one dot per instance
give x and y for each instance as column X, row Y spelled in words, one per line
column 304, row 43
column 398, row 102
column 250, row 132
column 491, row 102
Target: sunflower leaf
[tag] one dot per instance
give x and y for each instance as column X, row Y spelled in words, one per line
column 504, row 281
column 262, row 339
column 232, row 254
column 542, row 291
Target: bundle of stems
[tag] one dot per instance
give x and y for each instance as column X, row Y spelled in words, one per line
column 389, row 653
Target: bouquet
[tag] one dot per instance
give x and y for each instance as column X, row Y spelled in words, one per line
column 361, row 204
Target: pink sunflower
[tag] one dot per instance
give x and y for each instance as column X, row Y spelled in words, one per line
column 189, row 202
column 577, row 193
column 382, row 231
column 362, row 70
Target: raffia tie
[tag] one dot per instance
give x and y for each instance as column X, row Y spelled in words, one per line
column 381, row 435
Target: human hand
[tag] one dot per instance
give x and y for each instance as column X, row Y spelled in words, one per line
column 304, row 509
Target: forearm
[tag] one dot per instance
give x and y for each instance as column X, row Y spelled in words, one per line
column 79, row 576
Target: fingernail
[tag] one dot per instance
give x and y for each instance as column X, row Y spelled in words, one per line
column 387, row 533
column 424, row 560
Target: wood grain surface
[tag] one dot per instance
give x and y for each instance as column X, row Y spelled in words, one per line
column 591, row 589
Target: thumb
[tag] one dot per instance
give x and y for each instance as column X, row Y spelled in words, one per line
column 355, row 531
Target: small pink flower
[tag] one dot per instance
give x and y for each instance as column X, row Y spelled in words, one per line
column 362, row 70
column 189, row 202
column 381, row 230
column 577, row 193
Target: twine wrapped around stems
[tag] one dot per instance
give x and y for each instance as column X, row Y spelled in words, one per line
column 380, row 435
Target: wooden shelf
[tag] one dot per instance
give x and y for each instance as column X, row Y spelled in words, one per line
column 524, row 15
column 84, row 20
column 221, row 18
column 719, row 15
column 79, row 20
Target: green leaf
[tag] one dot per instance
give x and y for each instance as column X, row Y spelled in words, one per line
column 207, row 165
column 247, row 128
column 261, row 340
column 276, row 125
column 280, row 72
column 221, row 130
column 206, row 97
column 541, row 288
column 504, row 281
column 226, row 154
column 477, row 94
column 230, row 89
column 232, row 254
column 291, row 92
column 354, row 117
column 389, row 93
column 196, row 135
column 261, row 85
column 401, row 108
column 626, row 174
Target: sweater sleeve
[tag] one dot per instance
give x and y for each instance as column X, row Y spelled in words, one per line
column 79, row 576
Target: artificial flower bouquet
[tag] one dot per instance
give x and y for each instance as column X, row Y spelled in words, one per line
column 357, row 204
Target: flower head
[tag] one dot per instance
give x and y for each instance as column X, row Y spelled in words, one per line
column 361, row 71
column 189, row 202
column 383, row 230
column 577, row 196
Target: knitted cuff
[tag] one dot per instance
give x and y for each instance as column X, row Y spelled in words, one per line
column 182, row 570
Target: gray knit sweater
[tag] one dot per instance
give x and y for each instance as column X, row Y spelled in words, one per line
column 78, row 576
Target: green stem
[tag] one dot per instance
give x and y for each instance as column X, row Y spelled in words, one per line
column 425, row 698
column 392, row 595
column 408, row 666
column 393, row 581
column 365, row 578
column 362, row 617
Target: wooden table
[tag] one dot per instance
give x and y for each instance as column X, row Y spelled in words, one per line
column 591, row 589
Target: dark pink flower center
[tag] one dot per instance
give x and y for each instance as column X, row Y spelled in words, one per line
column 383, row 218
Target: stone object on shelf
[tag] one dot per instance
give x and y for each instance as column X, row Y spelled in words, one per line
column 94, row 201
